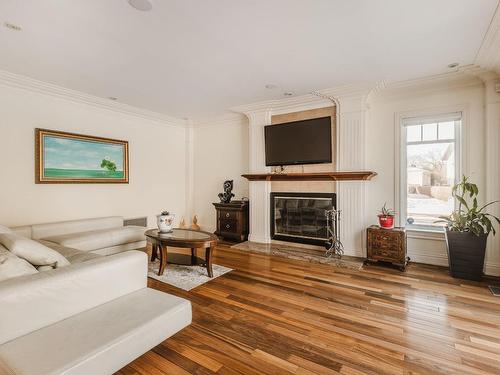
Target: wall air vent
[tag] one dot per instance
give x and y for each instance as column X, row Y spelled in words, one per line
column 138, row 221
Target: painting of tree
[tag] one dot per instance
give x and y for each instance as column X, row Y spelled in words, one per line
column 108, row 164
column 74, row 158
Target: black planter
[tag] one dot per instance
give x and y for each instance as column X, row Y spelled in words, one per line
column 466, row 254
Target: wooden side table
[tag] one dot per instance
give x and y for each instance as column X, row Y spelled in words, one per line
column 232, row 220
column 387, row 245
column 184, row 238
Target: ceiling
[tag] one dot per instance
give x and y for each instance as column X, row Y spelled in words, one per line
column 194, row 58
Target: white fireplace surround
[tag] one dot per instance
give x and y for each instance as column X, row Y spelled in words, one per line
column 351, row 109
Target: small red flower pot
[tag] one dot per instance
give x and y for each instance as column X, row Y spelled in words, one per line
column 386, row 221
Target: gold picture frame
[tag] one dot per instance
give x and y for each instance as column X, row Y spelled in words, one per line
column 69, row 158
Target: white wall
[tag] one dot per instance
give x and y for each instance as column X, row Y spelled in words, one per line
column 378, row 149
column 157, row 162
column 182, row 170
column 220, row 151
column 382, row 148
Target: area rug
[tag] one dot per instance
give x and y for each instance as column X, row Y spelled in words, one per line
column 185, row 277
column 299, row 253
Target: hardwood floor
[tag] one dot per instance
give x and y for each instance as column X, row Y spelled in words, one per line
column 279, row 316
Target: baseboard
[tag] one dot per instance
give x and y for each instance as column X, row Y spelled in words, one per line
column 258, row 239
column 355, row 253
column 492, row 269
column 436, row 260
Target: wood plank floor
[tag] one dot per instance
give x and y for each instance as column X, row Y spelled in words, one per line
column 278, row 316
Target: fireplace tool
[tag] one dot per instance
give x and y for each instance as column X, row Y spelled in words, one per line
column 333, row 245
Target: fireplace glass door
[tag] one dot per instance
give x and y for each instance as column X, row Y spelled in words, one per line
column 300, row 217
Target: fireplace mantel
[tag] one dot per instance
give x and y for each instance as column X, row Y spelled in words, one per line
column 318, row 176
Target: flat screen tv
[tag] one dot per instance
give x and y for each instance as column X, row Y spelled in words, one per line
column 299, row 142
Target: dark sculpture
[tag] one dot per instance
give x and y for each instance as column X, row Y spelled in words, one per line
column 226, row 196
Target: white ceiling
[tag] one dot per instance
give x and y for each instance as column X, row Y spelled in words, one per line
column 190, row 58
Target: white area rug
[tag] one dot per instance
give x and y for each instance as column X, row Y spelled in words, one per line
column 185, row 277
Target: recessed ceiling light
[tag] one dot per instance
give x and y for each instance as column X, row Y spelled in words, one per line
column 270, row 86
column 142, row 5
column 112, row 98
column 453, row 65
column 288, row 93
column 11, row 26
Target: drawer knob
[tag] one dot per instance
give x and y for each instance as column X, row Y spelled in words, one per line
column 227, row 226
column 227, row 214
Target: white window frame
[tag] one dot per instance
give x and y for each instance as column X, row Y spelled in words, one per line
column 401, row 163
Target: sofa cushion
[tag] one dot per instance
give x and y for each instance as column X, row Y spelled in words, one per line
column 13, row 266
column 32, row 251
column 73, row 256
column 139, row 245
column 61, row 293
column 24, row 231
column 99, row 239
column 39, row 231
column 4, row 229
column 101, row 340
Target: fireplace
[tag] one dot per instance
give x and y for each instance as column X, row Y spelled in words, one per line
column 300, row 217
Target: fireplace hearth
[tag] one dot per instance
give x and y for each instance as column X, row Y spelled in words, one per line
column 301, row 217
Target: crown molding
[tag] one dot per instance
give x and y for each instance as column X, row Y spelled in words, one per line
column 349, row 98
column 269, row 105
column 483, row 74
column 34, row 85
column 225, row 119
column 345, row 95
column 283, row 105
column 488, row 56
column 457, row 79
column 349, row 92
column 352, row 98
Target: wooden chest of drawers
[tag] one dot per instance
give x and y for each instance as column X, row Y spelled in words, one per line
column 387, row 245
column 232, row 220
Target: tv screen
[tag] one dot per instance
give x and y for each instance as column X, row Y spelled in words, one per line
column 299, row 142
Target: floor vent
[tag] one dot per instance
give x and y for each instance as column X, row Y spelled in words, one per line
column 495, row 290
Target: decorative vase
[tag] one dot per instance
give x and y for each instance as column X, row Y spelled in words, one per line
column 165, row 222
column 386, row 221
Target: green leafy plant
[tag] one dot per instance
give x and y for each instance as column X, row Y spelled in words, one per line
column 386, row 211
column 469, row 217
column 109, row 165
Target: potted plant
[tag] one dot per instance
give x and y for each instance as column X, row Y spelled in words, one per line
column 386, row 217
column 467, row 230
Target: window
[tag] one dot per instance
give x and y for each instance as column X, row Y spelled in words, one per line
column 429, row 168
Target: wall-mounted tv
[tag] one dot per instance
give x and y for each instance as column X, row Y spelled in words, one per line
column 299, row 142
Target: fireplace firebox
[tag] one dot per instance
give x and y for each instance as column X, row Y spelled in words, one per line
column 300, row 217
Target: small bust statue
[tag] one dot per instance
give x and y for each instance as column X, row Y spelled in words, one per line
column 226, row 196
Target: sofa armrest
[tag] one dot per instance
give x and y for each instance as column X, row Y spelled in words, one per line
column 34, row 301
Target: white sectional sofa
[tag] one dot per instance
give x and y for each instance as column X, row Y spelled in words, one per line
column 104, row 236
column 93, row 314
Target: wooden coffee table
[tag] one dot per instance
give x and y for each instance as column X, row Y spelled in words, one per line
column 184, row 238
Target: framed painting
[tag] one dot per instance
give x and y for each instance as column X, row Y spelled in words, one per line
column 62, row 157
